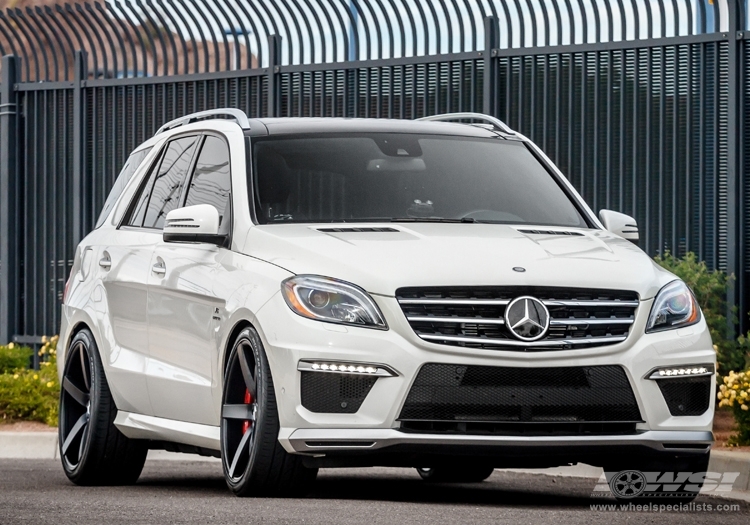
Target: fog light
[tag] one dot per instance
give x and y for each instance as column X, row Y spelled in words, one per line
column 681, row 371
column 338, row 367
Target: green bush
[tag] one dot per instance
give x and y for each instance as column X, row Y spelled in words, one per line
column 710, row 289
column 14, row 357
column 30, row 395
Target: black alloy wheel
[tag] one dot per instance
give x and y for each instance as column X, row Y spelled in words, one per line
column 75, row 405
column 254, row 462
column 92, row 450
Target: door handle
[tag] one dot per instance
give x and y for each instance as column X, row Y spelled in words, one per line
column 159, row 269
column 105, row 262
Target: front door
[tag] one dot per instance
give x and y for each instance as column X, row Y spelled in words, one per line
column 186, row 301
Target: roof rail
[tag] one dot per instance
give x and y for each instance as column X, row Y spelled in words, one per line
column 449, row 117
column 237, row 115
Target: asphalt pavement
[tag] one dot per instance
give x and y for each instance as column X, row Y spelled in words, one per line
column 184, row 491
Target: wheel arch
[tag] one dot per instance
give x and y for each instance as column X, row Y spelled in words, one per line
column 234, row 333
column 78, row 320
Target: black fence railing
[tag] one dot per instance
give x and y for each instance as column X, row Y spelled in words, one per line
column 641, row 104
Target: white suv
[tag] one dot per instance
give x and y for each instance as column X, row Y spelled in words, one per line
column 292, row 294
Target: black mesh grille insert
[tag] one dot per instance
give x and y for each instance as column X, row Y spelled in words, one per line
column 521, row 395
column 334, row 393
column 688, row 396
column 473, row 317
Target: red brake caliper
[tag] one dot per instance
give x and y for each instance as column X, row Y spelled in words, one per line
column 248, row 400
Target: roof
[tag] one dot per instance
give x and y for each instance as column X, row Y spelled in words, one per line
column 304, row 125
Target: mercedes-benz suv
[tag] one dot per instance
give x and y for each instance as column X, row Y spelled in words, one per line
column 291, row 294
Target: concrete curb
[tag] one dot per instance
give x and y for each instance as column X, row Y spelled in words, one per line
column 43, row 445
column 28, row 445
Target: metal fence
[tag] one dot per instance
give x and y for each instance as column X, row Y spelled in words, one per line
column 640, row 102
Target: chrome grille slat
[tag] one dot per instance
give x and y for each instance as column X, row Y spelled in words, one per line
column 624, row 304
column 470, row 320
column 478, row 302
column 533, row 344
column 473, row 317
column 566, row 322
column 482, row 320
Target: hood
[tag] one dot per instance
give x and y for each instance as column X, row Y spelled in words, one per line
column 384, row 257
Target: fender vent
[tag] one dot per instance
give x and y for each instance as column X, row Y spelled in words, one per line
column 550, row 232
column 357, row 230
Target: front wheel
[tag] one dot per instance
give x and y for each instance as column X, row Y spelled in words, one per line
column 455, row 474
column 255, row 463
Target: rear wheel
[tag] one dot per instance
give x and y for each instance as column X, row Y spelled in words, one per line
column 455, row 474
column 92, row 450
column 255, row 463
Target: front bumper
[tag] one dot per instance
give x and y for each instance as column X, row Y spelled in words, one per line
column 314, row 441
column 374, row 428
column 390, row 447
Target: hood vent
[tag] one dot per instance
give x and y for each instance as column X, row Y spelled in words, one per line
column 357, row 230
column 550, row 232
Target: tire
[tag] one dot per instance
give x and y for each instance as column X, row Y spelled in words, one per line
column 628, row 484
column 92, row 450
column 254, row 462
column 455, row 474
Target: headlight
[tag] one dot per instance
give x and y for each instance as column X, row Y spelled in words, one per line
column 331, row 300
column 674, row 307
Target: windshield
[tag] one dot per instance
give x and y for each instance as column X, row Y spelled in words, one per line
column 393, row 177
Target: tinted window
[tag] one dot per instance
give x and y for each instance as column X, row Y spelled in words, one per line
column 211, row 181
column 137, row 213
column 394, row 176
column 131, row 165
column 168, row 181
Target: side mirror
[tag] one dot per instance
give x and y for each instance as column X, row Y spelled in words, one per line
column 199, row 223
column 620, row 224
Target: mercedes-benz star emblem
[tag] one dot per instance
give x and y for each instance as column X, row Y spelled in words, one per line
column 527, row 318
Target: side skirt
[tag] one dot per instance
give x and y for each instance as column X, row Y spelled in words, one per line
column 139, row 426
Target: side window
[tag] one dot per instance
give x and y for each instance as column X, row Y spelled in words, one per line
column 131, row 165
column 211, row 181
column 166, row 184
column 137, row 213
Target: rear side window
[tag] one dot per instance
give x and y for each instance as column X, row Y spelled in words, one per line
column 130, row 167
column 211, row 181
column 162, row 192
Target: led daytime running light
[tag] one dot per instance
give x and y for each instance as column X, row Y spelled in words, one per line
column 345, row 368
column 682, row 371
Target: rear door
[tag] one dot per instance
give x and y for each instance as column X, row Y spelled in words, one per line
column 122, row 262
column 186, row 301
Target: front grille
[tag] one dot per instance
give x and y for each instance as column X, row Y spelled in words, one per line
column 511, row 399
column 474, row 317
column 689, row 396
column 334, row 393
